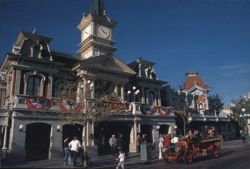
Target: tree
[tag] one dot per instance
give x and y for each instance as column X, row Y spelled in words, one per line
column 96, row 101
column 173, row 98
column 238, row 104
column 215, row 103
column 179, row 102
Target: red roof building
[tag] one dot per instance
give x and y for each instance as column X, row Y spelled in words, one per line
column 195, row 86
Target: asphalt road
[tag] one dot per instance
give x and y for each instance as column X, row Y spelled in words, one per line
column 233, row 156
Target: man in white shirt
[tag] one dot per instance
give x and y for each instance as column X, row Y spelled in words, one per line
column 175, row 139
column 74, row 147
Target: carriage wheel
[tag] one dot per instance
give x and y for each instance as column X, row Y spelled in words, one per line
column 166, row 158
column 217, row 152
column 188, row 157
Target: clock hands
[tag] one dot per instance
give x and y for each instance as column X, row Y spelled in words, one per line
column 103, row 31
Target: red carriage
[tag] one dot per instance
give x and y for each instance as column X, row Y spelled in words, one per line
column 187, row 149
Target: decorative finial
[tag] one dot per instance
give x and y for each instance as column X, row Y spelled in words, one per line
column 83, row 15
column 34, row 30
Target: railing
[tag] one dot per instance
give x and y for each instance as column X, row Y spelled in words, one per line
column 63, row 105
column 36, row 103
column 209, row 113
column 143, row 109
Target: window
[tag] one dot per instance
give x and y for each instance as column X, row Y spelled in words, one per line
column 33, row 85
column 2, row 97
column 151, row 98
column 58, row 88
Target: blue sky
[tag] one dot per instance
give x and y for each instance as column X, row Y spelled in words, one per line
column 211, row 37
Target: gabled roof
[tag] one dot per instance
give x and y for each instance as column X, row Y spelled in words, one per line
column 140, row 60
column 32, row 36
column 107, row 63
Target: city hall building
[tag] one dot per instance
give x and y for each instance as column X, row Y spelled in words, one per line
column 36, row 115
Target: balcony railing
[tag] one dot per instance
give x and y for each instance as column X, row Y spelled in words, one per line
column 60, row 105
column 143, row 109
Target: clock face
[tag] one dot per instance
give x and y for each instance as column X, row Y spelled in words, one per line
column 102, row 31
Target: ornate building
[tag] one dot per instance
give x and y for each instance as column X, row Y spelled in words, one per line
column 196, row 87
column 196, row 92
column 37, row 115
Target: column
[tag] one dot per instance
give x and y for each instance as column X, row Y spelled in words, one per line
column 132, row 135
column 5, row 137
column 83, row 135
column 49, row 92
column 92, row 88
column 139, row 73
column 133, row 145
column 17, row 82
column 92, row 134
column 8, row 86
column 116, row 90
column 155, row 134
column 143, row 95
column 159, row 97
column 193, row 101
column 135, row 132
column 55, row 149
column 122, row 92
column 139, row 128
column 12, row 85
column 51, row 142
column 87, row 136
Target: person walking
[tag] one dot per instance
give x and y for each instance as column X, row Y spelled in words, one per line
column 138, row 143
column 160, row 146
column 112, row 143
column 74, row 147
column 67, row 154
column 120, row 160
column 120, row 143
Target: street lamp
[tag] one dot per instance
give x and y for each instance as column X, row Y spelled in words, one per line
column 134, row 92
column 87, row 87
column 245, row 133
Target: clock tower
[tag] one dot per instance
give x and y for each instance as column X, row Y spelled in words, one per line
column 96, row 32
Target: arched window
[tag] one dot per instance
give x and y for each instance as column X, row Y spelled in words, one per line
column 151, row 98
column 33, row 85
column 58, row 88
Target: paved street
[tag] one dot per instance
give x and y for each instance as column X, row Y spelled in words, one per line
column 234, row 155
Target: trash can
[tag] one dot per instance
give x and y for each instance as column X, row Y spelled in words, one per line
column 146, row 151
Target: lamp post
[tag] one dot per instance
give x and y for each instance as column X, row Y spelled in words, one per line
column 86, row 87
column 134, row 92
column 133, row 134
column 245, row 134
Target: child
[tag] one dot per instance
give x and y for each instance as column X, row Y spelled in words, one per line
column 120, row 160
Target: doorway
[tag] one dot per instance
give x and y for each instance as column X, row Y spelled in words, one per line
column 72, row 130
column 37, row 141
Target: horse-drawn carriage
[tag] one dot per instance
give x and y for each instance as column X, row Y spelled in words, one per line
column 187, row 149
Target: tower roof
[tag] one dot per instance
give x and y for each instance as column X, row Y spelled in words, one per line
column 193, row 79
column 97, row 8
